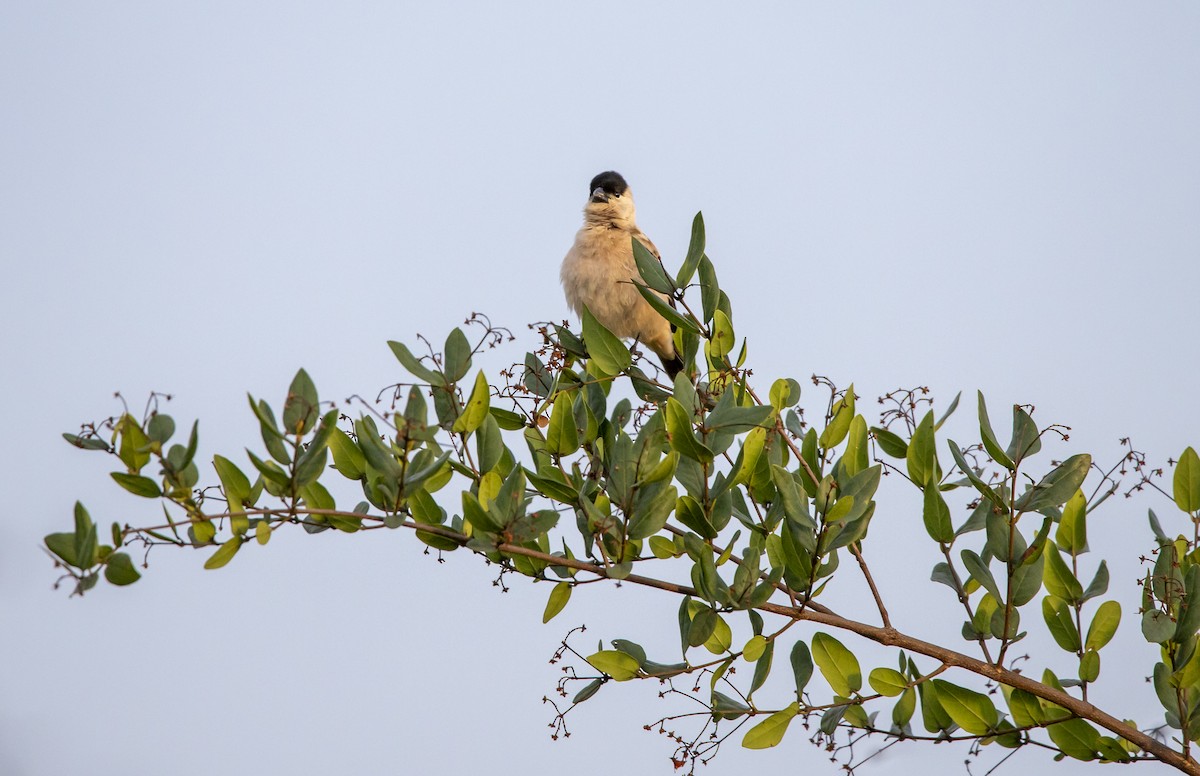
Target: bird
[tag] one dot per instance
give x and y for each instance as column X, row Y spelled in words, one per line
column 598, row 271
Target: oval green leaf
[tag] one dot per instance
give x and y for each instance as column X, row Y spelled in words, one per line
column 558, row 599
column 770, row 731
column 838, row 665
column 224, row 553
column 137, row 484
column 619, row 665
column 887, row 681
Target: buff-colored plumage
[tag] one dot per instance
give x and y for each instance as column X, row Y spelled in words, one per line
column 598, row 270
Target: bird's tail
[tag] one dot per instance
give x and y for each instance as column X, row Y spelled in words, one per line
column 673, row 365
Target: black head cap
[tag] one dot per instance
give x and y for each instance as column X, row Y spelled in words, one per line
column 610, row 181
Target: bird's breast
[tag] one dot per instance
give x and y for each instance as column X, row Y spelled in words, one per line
column 596, row 273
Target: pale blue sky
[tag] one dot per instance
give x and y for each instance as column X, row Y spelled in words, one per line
column 202, row 198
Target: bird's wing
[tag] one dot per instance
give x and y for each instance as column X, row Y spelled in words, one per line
column 644, row 240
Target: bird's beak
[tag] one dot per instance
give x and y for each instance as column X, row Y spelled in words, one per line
column 599, row 195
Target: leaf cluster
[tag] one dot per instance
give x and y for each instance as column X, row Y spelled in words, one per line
column 580, row 466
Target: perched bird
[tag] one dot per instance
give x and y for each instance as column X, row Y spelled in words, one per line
column 599, row 268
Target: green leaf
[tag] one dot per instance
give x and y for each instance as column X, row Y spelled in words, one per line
column 1104, row 625
column 976, row 481
column 86, row 443
column 1059, row 579
column 1157, row 626
column 673, row 316
column 193, row 442
column 949, row 411
column 85, row 538
column 161, row 428
column 1188, row 616
column 663, row 548
column 989, row 437
column 1027, row 580
column 802, row 666
column 840, row 509
column 1156, row 529
column 694, row 254
column 203, row 532
column 970, row 710
column 300, row 407
column 903, row 710
column 650, row 268
column 722, row 339
column 1099, row 584
column 1004, row 623
column 233, row 481
column 1072, row 526
column 795, row 506
column 558, row 599
column 762, row 667
column 1110, row 750
column 1187, row 481
column 728, row 416
column 1026, row 709
column 754, row 648
column 703, row 624
column 839, row 425
column 770, row 731
column 1001, row 535
column 831, row 719
column 414, row 365
column 721, row 638
column 347, row 457
column 262, row 532
column 887, row 681
column 224, row 553
column 838, row 665
column 119, row 569
column 588, row 691
column 608, row 353
column 856, row 457
column 649, row 518
column 477, row 516
column 1075, row 738
column 689, row 512
column 679, row 432
column 1056, row 487
column 134, row 448
column 1060, row 620
column 785, row 392
column 562, row 436
column 477, row 406
column 632, row 649
column 937, row 517
column 1089, row 666
column 551, row 483
column 725, row 707
column 710, row 290
column 981, row 573
column 137, row 484
column 63, row 545
column 507, row 420
column 1025, row 440
column 615, row 663
column 933, row 715
column 425, row 469
column 921, row 458
column 457, row 356
column 270, row 470
column 890, row 443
